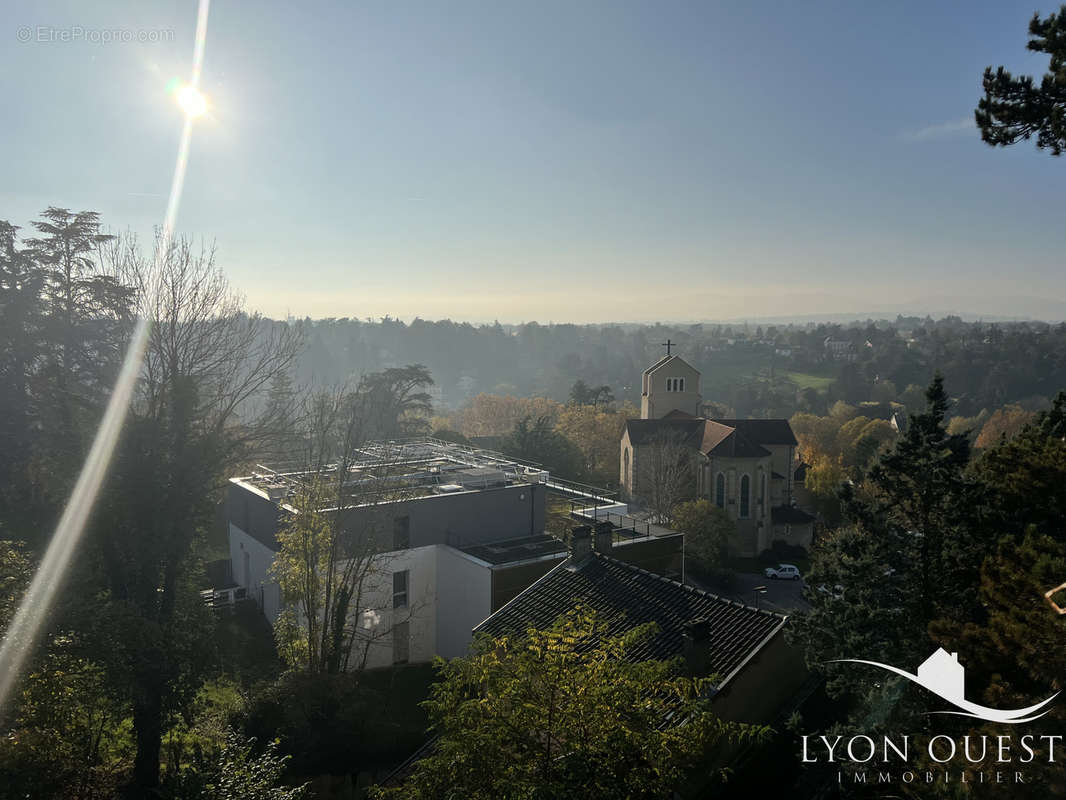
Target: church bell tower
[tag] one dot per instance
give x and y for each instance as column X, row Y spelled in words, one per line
column 671, row 384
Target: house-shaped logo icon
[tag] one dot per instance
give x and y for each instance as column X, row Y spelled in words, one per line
column 945, row 677
column 942, row 674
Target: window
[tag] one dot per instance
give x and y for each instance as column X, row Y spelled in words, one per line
column 719, row 490
column 762, row 488
column 625, row 467
column 675, row 384
column 399, row 589
column 745, row 496
column 401, row 642
column 401, row 533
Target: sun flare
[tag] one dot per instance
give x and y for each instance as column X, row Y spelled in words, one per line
column 192, row 101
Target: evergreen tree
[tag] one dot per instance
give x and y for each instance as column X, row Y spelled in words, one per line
column 1014, row 109
column 21, row 316
column 1027, row 475
column 919, row 529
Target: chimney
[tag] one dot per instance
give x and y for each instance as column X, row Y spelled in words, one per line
column 697, row 652
column 604, row 537
column 580, row 542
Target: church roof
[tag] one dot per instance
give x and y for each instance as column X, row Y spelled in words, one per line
column 763, row 431
column 644, row 431
column 728, row 439
column 677, row 413
column 723, row 440
column 664, row 361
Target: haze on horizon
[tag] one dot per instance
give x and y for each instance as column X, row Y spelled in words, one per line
column 565, row 162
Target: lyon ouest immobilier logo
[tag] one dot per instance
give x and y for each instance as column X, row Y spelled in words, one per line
column 969, row 759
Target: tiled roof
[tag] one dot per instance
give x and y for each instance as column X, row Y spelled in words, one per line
column 734, row 438
column 721, row 440
column 666, row 360
column 677, row 413
column 644, row 431
column 626, row 597
column 763, row 431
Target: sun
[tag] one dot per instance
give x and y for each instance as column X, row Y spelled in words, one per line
column 192, row 102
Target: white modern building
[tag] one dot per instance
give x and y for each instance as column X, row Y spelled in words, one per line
column 469, row 524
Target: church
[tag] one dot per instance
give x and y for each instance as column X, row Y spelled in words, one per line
column 748, row 467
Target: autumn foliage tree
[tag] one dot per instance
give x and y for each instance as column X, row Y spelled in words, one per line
column 564, row 712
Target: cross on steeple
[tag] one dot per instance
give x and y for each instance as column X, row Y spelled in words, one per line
column 668, row 344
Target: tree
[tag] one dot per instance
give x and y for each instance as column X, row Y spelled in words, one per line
column 1004, row 422
column 241, row 774
column 21, row 316
column 497, row 415
column 708, row 532
column 536, row 440
column 398, row 402
column 1017, row 651
column 584, row 395
column 564, row 712
column 89, row 313
column 665, row 473
column 15, row 573
column 204, row 360
column 595, row 431
column 1013, row 109
column 332, row 563
column 1027, row 474
column 919, row 529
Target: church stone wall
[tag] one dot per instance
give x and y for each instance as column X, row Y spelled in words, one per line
column 659, row 395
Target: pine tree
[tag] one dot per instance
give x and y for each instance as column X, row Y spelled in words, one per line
column 1014, row 109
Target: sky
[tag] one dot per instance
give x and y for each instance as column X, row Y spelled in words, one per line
column 552, row 161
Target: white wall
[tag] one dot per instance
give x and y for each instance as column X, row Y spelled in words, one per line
column 464, row 599
column 448, row 593
column 420, row 613
column 261, row 587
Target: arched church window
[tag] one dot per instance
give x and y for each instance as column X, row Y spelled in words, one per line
column 745, row 495
column 625, row 467
column 719, row 490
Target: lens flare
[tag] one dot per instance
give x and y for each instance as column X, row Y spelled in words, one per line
column 192, row 101
column 24, row 631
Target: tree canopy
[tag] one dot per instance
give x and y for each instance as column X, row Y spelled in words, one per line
column 1015, row 109
column 564, row 712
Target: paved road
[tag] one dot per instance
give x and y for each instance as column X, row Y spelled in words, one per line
column 785, row 597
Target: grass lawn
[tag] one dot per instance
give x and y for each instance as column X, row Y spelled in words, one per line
column 805, row 380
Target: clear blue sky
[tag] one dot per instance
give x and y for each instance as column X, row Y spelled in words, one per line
column 574, row 161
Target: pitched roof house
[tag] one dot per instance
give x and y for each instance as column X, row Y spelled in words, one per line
column 756, row 672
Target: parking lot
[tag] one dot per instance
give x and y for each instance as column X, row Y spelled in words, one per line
column 785, row 597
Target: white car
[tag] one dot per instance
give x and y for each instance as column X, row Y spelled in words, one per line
column 783, row 572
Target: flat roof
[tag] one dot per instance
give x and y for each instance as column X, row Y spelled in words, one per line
column 522, row 548
column 408, row 469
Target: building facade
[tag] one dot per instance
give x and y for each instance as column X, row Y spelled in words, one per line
column 744, row 466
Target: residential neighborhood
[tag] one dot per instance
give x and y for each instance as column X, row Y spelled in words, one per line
column 529, row 401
